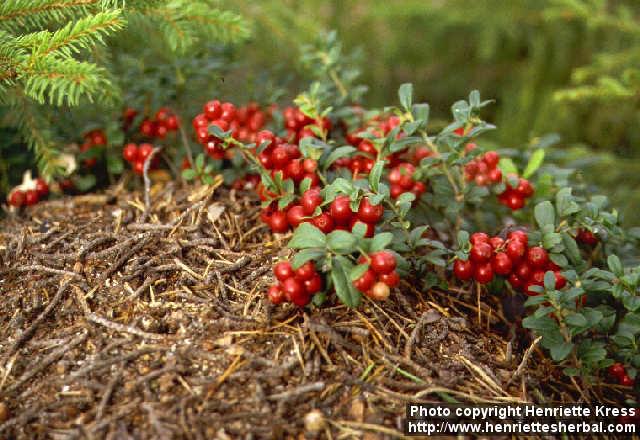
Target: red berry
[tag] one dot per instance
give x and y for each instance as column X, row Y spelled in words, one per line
column 42, row 188
column 519, row 235
column 324, row 222
column 200, row 121
column 537, row 257
column 228, row 111
column 502, row 264
column 483, row 273
column 514, row 201
column 537, row 277
column 310, row 165
column 144, row 151
column 481, row 252
column 626, row 381
column 587, row 237
column 524, row 188
column 528, row 289
column 310, row 200
column 491, row 158
column 379, row 292
column 481, row 180
column 463, row 270
column 495, row 175
column 279, row 157
column 278, row 222
column 406, row 175
column 523, row 271
column 147, row 128
column 340, row 210
column 30, row 197
column 418, row 189
column 283, row 270
column 496, row 242
column 479, row 237
column 172, row 122
column 276, row 295
column 306, row 271
column 295, row 215
column 396, row 190
column 294, row 170
column 383, row 262
column 294, row 291
column 265, row 160
column 212, row 110
column 515, row 281
column 138, row 167
column 313, row 284
column 391, row 279
column 617, row 370
column 16, row 198
column 515, row 249
column 365, row 282
column 366, row 146
column 130, row 152
column 369, row 213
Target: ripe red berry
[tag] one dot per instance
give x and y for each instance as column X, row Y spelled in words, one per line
column 481, row 252
column 173, row 123
column 379, row 292
column 418, row 189
column 310, row 200
column 313, row 284
column 306, row 271
column 514, row 201
column 515, row 249
column 147, row 128
column 483, row 273
column 365, row 282
column 200, row 121
column 212, row 110
column 529, row 289
column 515, row 281
column 383, row 262
column 278, row 222
column 310, row 165
column 324, row 222
column 491, row 158
column 537, row 257
column 519, row 235
column 626, row 381
column 586, row 237
column 369, row 213
column 279, row 157
column 16, row 198
column 479, row 237
column 30, row 197
column 396, row 190
column 495, row 175
column 496, row 242
column 537, row 277
column 391, row 279
column 144, row 151
column 276, row 295
column 561, row 281
column 294, row 170
column 463, row 270
column 340, row 210
column 502, row 264
column 130, row 152
column 283, row 270
column 617, row 370
column 295, row 215
column 523, row 271
column 294, row 291
column 524, row 188
column 481, row 180
column 138, row 167
column 228, row 111
column 42, row 189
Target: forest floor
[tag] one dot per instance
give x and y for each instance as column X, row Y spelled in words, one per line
column 123, row 319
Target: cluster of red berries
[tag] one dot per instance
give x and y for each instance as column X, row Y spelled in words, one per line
column 618, row 372
column 483, row 170
column 136, row 155
column 28, row 194
column 515, row 198
column 286, row 158
column 380, row 277
column 299, row 125
column 93, row 138
column 523, row 266
column 164, row 122
column 401, row 181
column 296, row 286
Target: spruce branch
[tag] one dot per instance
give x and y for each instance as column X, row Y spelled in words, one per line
column 16, row 14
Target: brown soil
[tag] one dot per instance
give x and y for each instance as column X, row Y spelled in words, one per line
column 118, row 322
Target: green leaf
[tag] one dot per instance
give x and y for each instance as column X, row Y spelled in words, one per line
column 545, row 214
column 421, row 112
column 189, row 174
column 405, row 93
column 380, row 241
column 337, row 154
column 534, row 163
column 615, row 265
column 340, row 270
column 507, row 166
column 559, row 352
column 576, row 320
column 342, row 242
column 306, row 255
column 307, row 236
column 549, row 280
column 376, row 174
column 358, row 271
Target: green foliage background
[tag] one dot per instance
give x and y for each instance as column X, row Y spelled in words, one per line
column 570, row 67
